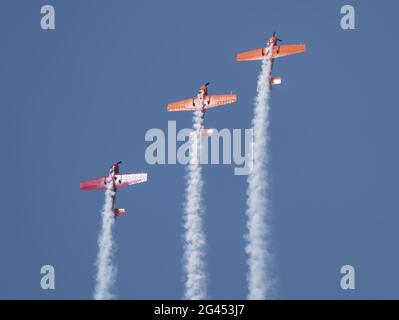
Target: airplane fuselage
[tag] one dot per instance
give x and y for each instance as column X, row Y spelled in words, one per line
column 203, row 99
column 114, row 171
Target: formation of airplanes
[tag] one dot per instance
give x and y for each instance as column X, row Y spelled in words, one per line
column 202, row 102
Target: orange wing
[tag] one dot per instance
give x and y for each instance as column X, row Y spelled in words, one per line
column 210, row 102
column 183, row 105
column 278, row 51
column 219, row 100
column 256, row 54
column 286, row 50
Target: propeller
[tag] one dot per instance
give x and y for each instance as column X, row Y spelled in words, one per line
column 277, row 39
column 206, row 84
column 119, row 162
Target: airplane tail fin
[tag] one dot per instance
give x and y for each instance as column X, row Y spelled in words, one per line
column 119, row 212
column 276, row 80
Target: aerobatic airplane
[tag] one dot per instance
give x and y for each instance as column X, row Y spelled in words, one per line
column 118, row 180
column 203, row 101
column 278, row 51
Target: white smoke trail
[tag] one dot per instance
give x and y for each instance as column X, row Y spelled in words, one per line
column 258, row 189
column 194, row 238
column 106, row 271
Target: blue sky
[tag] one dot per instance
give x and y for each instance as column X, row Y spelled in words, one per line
column 77, row 98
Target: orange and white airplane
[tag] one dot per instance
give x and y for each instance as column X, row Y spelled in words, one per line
column 278, row 51
column 203, row 101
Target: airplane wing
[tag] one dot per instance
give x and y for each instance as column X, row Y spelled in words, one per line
column 278, row 51
column 286, row 50
column 183, row 105
column 210, row 102
column 219, row 100
column 256, row 54
column 123, row 180
column 95, row 184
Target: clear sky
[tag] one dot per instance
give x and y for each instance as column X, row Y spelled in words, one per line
column 82, row 96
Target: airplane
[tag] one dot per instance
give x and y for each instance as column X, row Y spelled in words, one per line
column 118, row 180
column 203, row 101
column 278, row 52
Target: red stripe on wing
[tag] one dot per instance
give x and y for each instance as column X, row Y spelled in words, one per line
column 95, row 184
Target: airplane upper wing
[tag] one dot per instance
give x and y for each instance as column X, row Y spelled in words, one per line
column 256, row 54
column 121, row 180
column 210, row 102
column 95, row 184
column 286, row 50
column 219, row 100
column 183, row 105
column 278, row 51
